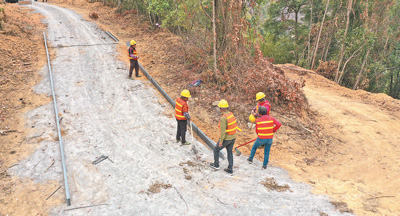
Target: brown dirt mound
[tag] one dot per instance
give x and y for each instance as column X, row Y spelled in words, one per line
column 156, row 187
column 271, row 184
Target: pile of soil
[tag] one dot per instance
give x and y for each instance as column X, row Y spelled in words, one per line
column 271, row 184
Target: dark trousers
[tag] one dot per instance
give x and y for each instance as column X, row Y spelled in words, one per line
column 228, row 144
column 181, row 131
column 134, row 64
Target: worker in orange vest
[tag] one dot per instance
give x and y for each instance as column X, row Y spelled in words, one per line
column 133, row 60
column 227, row 126
column 182, row 116
column 266, row 126
column 260, row 97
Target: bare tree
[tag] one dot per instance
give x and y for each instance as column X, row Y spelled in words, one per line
column 349, row 8
column 344, row 65
column 214, row 40
column 361, row 70
column 319, row 34
column 309, row 33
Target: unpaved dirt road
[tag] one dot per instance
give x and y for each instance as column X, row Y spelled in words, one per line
column 103, row 113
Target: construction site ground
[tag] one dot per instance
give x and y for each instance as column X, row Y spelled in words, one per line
column 355, row 163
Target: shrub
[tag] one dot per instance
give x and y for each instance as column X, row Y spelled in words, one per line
column 93, row 15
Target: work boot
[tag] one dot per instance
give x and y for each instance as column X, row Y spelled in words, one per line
column 178, row 140
column 214, row 166
column 230, row 172
column 131, row 78
column 249, row 160
column 139, row 76
column 185, row 143
column 264, row 167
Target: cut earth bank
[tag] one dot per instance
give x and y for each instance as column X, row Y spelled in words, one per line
column 329, row 168
column 22, row 55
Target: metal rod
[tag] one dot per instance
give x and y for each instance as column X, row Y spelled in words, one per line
column 112, row 36
column 200, row 133
column 58, row 126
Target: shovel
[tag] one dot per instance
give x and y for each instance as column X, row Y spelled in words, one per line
column 193, row 146
column 238, row 153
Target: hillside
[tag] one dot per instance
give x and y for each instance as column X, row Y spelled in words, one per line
column 332, row 148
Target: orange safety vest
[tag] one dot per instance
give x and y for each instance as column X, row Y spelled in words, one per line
column 265, row 127
column 179, row 109
column 232, row 124
column 134, row 52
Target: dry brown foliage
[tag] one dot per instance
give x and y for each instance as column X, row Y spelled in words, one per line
column 93, row 15
column 327, row 69
column 271, row 184
column 242, row 69
column 156, row 187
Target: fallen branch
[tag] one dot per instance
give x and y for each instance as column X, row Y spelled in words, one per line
column 221, row 201
column 31, row 138
column 187, row 208
column 295, row 69
column 52, row 163
column 84, row 207
column 4, row 132
column 306, row 128
column 380, row 197
column 53, row 192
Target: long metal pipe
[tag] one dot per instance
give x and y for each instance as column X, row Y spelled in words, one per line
column 58, row 126
column 196, row 129
column 112, row 36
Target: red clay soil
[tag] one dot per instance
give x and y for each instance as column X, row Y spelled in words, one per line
column 345, row 147
column 22, row 57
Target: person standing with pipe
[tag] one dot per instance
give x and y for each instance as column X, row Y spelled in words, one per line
column 133, row 60
column 227, row 126
column 266, row 126
column 182, row 116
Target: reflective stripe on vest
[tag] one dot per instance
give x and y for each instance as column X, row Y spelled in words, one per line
column 134, row 52
column 179, row 109
column 265, row 129
column 232, row 124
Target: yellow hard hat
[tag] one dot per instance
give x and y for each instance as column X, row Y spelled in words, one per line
column 260, row 95
column 133, row 42
column 252, row 119
column 185, row 93
column 223, row 104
